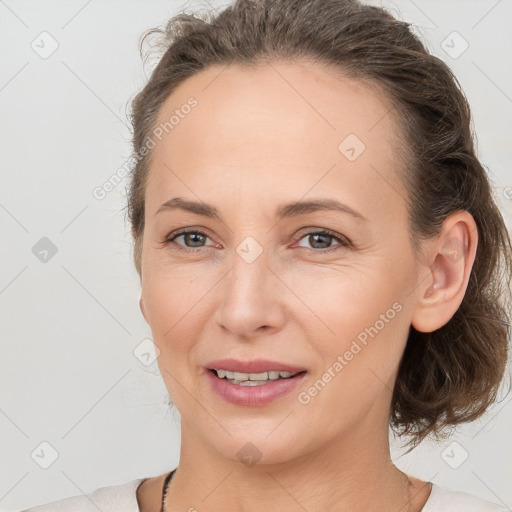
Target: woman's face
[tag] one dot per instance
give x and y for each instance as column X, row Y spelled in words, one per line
column 256, row 278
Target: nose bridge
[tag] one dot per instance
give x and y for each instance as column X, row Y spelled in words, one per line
column 249, row 296
column 249, row 267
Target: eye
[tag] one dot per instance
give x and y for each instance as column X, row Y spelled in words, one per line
column 322, row 238
column 195, row 239
column 192, row 236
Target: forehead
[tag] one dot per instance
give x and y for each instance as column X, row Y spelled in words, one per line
column 315, row 100
column 275, row 127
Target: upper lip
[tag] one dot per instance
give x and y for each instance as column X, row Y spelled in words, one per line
column 254, row 366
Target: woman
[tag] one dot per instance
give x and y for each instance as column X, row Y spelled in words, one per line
column 320, row 257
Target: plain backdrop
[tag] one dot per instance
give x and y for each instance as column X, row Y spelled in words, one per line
column 79, row 407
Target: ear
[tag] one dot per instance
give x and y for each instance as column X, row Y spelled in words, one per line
column 448, row 263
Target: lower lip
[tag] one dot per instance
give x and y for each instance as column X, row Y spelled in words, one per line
column 253, row 395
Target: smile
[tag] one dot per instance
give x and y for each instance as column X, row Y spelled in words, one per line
column 253, row 379
column 253, row 389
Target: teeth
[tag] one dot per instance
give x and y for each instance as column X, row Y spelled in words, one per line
column 245, row 377
column 248, row 382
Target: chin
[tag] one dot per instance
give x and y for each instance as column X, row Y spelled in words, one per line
column 261, row 448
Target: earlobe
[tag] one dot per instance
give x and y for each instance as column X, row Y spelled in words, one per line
column 451, row 260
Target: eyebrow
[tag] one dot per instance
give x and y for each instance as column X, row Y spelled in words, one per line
column 283, row 211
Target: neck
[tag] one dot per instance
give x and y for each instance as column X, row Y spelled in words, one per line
column 352, row 473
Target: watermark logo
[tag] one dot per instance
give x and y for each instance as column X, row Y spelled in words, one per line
column 173, row 121
column 351, row 147
column 146, row 352
column 249, row 249
column 44, row 45
column 101, row 191
column 454, row 455
column 305, row 397
column 249, row 454
column 44, row 455
column 44, row 250
column 454, row 45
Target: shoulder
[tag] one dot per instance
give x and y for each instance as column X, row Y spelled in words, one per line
column 114, row 498
column 442, row 499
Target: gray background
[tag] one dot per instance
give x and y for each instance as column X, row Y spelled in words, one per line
column 71, row 328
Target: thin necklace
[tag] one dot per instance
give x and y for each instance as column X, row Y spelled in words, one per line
column 168, row 479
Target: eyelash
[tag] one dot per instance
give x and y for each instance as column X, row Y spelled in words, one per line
column 343, row 241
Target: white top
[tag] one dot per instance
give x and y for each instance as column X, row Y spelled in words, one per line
column 123, row 498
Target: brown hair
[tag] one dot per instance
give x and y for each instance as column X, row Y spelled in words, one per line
column 448, row 376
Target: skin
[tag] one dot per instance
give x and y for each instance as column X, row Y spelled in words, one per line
column 260, row 137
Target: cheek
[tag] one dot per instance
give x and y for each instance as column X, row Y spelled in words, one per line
column 357, row 312
column 358, row 363
column 173, row 302
column 343, row 299
column 172, row 291
column 178, row 307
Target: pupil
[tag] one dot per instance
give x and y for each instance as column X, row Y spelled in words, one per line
column 195, row 235
column 321, row 236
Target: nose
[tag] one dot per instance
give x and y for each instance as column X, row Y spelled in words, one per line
column 251, row 299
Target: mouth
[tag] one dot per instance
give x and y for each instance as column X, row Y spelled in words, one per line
column 254, row 382
column 253, row 379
